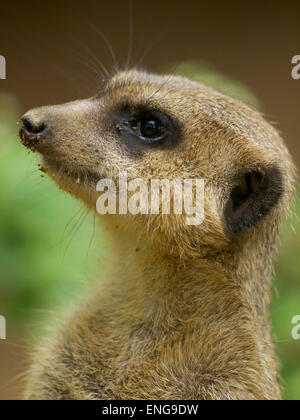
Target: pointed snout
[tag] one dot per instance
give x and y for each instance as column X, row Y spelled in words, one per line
column 33, row 130
column 49, row 129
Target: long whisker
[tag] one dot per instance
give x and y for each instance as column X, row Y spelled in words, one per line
column 88, row 62
column 108, row 44
column 95, row 58
column 76, row 228
column 79, row 82
column 148, row 49
column 163, row 83
column 93, row 235
column 65, row 233
column 130, row 42
column 80, row 89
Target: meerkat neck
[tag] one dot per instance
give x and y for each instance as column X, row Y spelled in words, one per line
column 211, row 300
column 140, row 267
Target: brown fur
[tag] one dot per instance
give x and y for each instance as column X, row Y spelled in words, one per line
column 182, row 312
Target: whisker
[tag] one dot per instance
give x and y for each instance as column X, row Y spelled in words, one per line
column 88, row 62
column 95, row 58
column 93, row 236
column 81, row 86
column 77, row 225
column 130, row 42
column 148, row 49
column 108, row 44
column 163, row 83
column 18, row 379
column 65, row 233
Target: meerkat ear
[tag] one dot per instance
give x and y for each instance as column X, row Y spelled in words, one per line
column 252, row 198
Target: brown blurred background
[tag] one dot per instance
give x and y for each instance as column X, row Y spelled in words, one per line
column 251, row 42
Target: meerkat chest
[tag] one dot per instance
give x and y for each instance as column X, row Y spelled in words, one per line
column 107, row 362
column 105, row 358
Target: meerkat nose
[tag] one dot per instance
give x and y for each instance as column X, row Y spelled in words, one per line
column 33, row 131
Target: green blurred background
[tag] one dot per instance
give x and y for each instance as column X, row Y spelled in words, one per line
column 49, row 246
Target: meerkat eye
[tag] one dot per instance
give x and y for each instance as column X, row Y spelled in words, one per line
column 150, row 128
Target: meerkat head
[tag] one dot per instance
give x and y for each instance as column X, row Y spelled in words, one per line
column 168, row 128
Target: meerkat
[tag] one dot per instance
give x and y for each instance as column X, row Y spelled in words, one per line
column 181, row 312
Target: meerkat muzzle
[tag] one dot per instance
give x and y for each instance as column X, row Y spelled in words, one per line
column 32, row 132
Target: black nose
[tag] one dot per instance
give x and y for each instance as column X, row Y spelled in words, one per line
column 33, row 131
